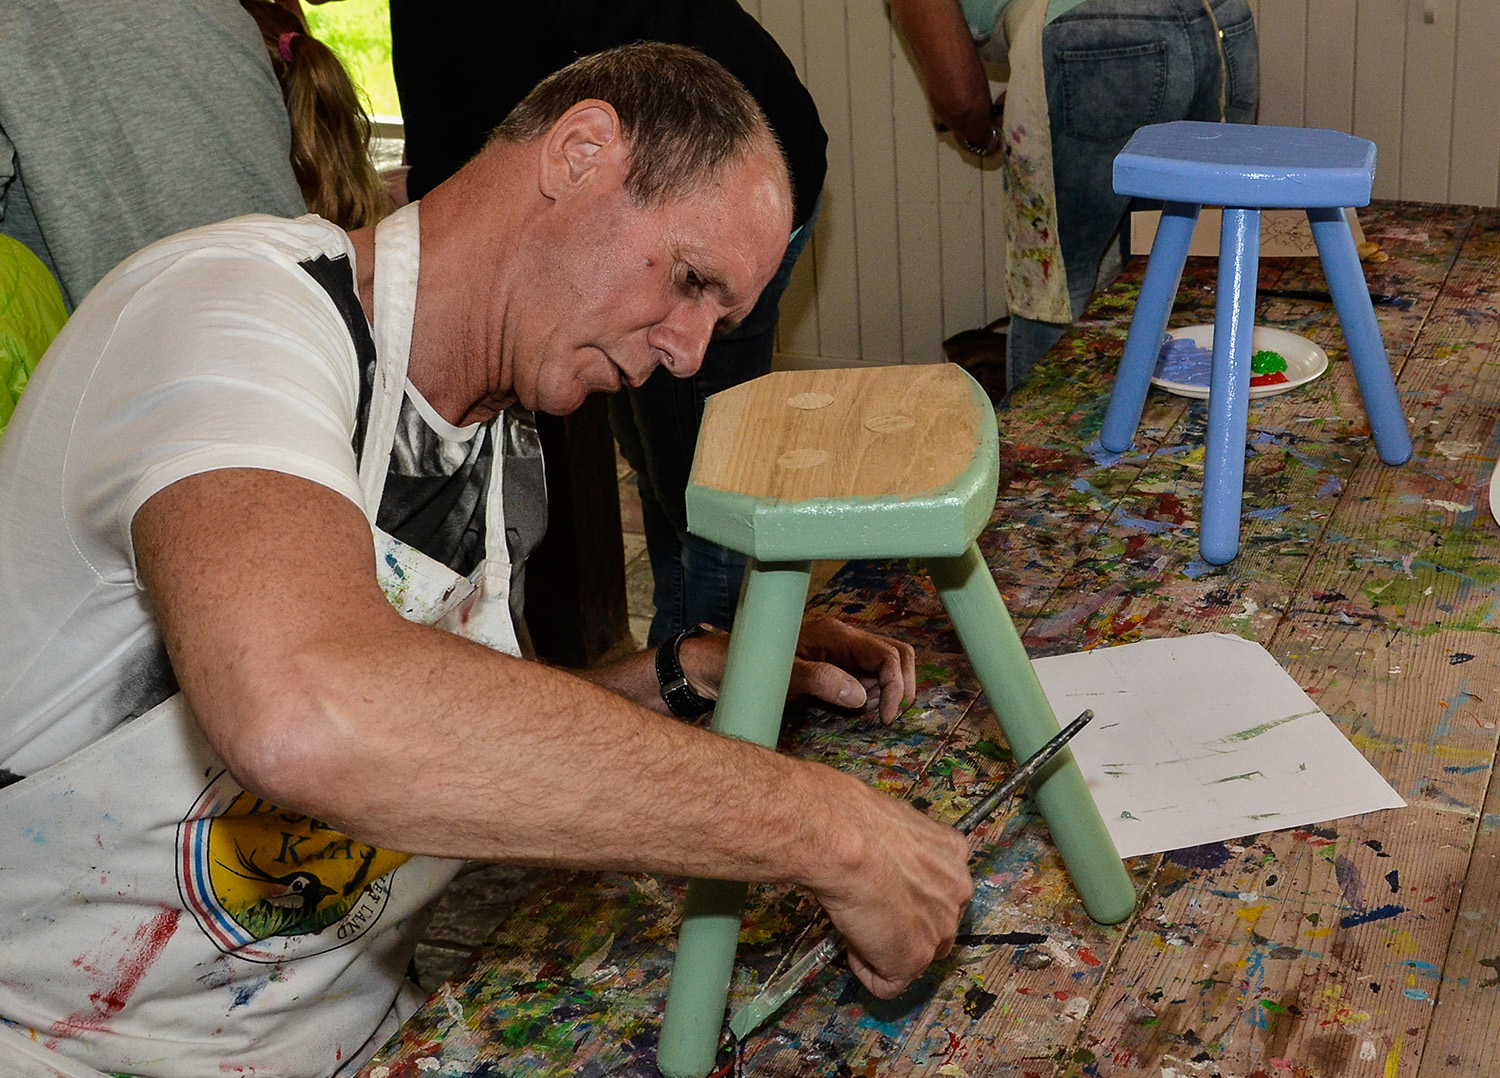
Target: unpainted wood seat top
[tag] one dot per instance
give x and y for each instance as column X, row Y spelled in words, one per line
column 846, row 463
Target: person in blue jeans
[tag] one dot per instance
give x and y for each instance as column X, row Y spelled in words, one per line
column 1084, row 75
column 461, row 66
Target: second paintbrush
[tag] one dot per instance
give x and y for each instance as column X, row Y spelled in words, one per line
column 770, row 998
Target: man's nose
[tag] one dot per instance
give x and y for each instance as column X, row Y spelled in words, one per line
column 684, row 335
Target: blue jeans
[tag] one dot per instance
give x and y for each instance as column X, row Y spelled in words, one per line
column 1111, row 67
column 695, row 581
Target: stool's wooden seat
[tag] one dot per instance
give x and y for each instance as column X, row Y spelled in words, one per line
column 893, row 462
column 871, row 463
column 1245, row 168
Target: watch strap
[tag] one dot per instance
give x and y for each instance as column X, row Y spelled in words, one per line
column 682, row 700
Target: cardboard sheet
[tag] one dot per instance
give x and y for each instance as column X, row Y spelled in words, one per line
column 1283, row 233
column 1204, row 738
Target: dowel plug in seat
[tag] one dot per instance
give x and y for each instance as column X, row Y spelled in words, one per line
column 885, row 462
column 1246, row 168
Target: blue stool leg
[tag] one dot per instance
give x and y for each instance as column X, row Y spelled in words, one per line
column 751, row 701
column 999, row 659
column 1152, row 308
column 1229, row 386
column 1351, row 298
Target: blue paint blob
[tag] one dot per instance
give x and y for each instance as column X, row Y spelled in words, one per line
column 1381, row 914
column 1182, row 360
column 1210, row 855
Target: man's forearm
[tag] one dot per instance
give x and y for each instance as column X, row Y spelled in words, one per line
column 952, row 73
column 320, row 698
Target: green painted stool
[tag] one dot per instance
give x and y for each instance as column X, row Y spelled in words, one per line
column 882, row 462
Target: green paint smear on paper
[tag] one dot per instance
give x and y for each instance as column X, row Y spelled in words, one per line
column 991, row 750
column 1255, row 731
column 1237, row 778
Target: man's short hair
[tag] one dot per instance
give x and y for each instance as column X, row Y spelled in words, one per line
column 684, row 116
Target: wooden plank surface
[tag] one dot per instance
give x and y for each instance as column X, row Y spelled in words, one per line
column 1365, row 947
column 1281, row 27
column 1430, row 126
column 872, row 152
column 1475, row 176
column 1379, row 75
column 1330, row 81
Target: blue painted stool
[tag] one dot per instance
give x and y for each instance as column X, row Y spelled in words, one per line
column 881, row 462
column 1246, row 168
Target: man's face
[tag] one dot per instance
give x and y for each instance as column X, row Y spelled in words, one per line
column 620, row 289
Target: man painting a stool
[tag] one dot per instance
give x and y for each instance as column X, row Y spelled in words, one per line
column 235, row 776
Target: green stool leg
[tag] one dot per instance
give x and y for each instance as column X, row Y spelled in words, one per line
column 999, row 658
column 751, row 701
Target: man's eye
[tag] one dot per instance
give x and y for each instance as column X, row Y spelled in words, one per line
column 692, row 281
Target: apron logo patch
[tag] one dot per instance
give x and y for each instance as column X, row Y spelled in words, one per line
column 266, row 885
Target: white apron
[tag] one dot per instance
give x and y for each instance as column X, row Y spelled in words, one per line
column 1036, row 280
column 157, row 919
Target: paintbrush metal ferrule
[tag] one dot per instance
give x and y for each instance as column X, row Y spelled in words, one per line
column 769, row 999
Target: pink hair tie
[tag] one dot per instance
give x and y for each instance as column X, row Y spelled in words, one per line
column 284, row 46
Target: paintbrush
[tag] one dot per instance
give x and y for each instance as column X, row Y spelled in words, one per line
column 769, row 1000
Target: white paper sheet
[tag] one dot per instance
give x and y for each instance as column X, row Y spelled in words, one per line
column 1203, row 738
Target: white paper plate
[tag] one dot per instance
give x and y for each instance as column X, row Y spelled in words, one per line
column 1304, row 360
column 1495, row 495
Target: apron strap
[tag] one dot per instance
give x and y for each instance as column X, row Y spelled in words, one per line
column 397, row 256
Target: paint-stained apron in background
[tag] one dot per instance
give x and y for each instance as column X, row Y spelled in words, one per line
column 155, row 900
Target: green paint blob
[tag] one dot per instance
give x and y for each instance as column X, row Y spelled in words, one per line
column 1267, row 362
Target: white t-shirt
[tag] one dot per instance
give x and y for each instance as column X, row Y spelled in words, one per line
column 192, row 336
column 148, row 906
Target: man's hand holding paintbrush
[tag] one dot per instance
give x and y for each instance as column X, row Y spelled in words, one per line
column 781, row 987
column 930, row 878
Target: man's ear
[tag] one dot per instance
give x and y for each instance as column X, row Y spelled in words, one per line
column 584, row 142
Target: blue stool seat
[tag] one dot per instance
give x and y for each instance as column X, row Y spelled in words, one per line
column 1246, row 168
column 1246, row 165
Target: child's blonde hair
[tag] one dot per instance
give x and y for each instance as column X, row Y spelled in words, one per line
column 330, row 128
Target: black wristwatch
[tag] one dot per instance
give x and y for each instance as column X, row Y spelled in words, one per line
column 681, row 699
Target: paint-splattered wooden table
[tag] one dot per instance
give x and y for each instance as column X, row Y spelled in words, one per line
column 1366, row 947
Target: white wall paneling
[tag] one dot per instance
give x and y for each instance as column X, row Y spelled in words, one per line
column 910, row 247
